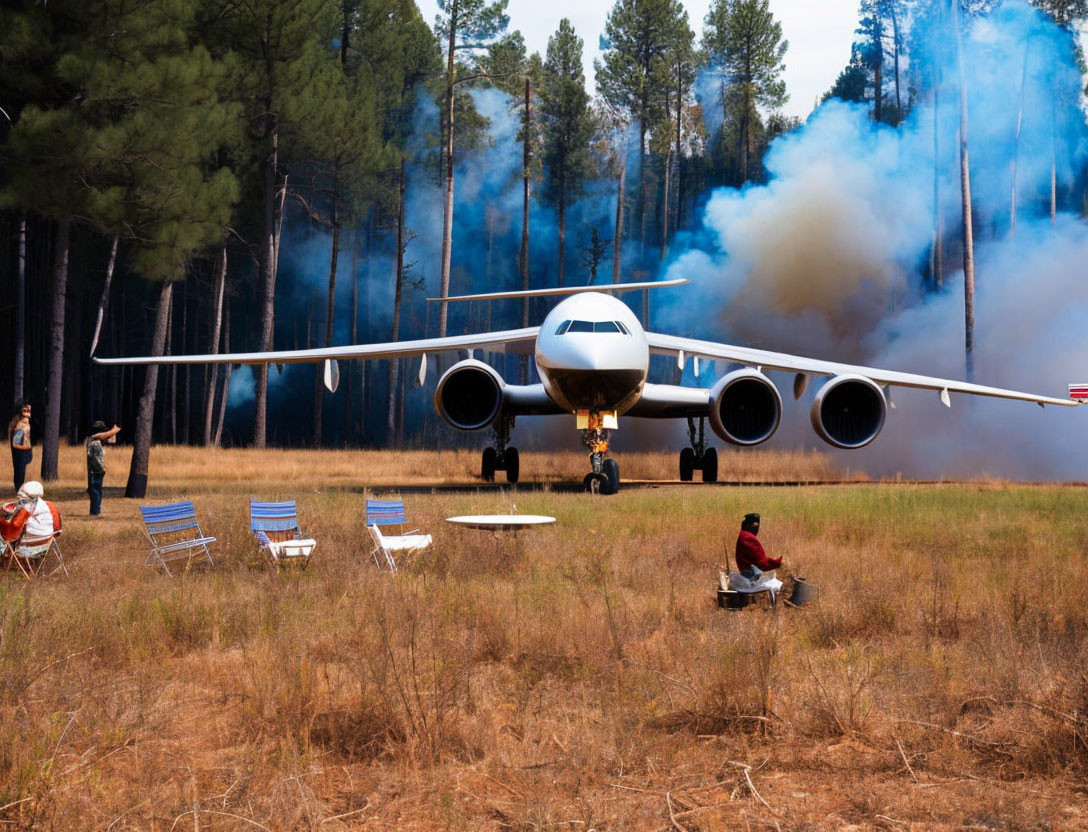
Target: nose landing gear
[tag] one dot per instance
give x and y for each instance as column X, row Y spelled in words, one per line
column 605, row 476
column 499, row 457
column 698, row 456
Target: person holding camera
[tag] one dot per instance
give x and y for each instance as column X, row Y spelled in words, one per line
column 96, row 462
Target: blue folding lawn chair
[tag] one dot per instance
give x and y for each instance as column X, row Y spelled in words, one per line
column 391, row 513
column 276, row 527
column 175, row 535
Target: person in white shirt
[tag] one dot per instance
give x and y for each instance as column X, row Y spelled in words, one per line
column 40, row 523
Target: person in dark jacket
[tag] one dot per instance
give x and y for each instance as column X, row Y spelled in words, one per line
column 96, row 462
column 752, row 561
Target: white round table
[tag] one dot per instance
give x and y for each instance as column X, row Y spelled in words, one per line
column 501, row 522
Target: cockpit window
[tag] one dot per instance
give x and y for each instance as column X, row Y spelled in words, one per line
column 592, row 326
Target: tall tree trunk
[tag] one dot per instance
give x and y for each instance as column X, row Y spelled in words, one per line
column 665, row 211
column 212, row 374
column 878, row 72
column 398, row 290
column 617, row 241
column 526, row 152
column 562, row 230
column 1016, row 146
column 267, row 309
column 187, row 401
column 349, row 407
column 679, row 154
column 330, row 310
column 172, row 400
column 104, row 303
column 965, row 189
column 744, row 141
column 1053, row 164
column 51, row 439
column 895, row 37
column 642, row 127
column 937, row 265
column 447, row 207
column 226, row 375
column 20, row 315
column 141, row 445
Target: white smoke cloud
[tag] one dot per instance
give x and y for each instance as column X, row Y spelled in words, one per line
column 827, row 259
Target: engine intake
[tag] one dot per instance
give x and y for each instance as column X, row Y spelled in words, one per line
column 469, row 395
column 849, row 411
column 745, row 407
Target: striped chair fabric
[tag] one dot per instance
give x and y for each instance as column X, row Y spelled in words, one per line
column 175, row 534
column 391, row 513
column 276, row 527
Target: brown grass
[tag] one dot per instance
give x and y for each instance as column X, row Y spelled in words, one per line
column 572, row 678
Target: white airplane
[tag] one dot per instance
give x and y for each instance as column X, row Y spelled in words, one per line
column 593, row 355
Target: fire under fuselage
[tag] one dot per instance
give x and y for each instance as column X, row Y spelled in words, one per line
column 591, row 353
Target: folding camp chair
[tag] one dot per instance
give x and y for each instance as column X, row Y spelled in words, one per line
column 275, row 525
column 175, row 535
column 30, row 554
column 391, row 513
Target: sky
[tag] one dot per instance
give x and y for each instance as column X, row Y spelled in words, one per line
column 819, row 34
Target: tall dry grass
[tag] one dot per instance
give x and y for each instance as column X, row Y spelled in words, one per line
column 570, row 678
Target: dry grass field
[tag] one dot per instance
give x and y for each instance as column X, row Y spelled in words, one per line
column 574, row 678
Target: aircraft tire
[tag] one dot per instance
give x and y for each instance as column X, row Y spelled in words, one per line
column 595, row 483
column 710, row 465
column 612, row 471
column 512, row 464
column 687, row 464
column 489, row 464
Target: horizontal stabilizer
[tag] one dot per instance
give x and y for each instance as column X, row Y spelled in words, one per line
column 568, row 290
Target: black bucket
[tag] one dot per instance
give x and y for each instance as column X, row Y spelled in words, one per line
column 803, row 592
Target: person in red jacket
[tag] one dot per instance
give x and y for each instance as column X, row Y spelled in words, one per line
column 752, row 561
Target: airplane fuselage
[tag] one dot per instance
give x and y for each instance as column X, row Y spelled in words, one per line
column 592, row 354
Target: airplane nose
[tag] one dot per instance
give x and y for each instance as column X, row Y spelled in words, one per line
column 584, row 354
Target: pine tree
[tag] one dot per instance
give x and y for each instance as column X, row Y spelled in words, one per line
column 567, row 126
column 462, row 26
column 632, row 76
column 275, row 48
column 744, row 41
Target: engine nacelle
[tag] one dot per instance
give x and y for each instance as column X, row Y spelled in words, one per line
column 469, row 395
column 848, row 411
column 745, row 407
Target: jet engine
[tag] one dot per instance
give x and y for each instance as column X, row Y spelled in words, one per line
column 469, row 395
column 849, row 411
column 745, row 407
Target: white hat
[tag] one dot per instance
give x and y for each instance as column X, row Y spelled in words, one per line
column 31, row 490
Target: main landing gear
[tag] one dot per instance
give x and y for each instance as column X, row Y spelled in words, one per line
column 499, row 457
column 698, row 456
column 605, row 476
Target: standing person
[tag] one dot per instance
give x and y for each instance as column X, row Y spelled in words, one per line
column 752, row 561
column 19, row 439
column 96, row 462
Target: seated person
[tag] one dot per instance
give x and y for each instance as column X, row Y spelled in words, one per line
column 30, row 515
column 752, row 561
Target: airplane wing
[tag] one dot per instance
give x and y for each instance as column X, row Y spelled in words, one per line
column 682, row 347
column 515, row 341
